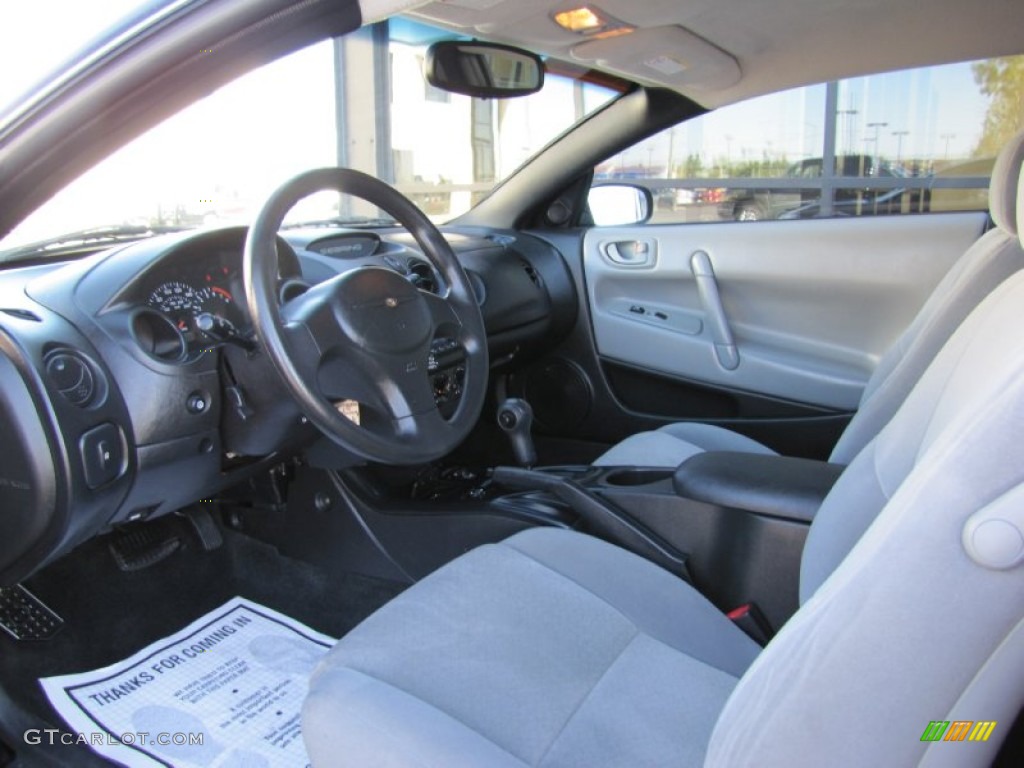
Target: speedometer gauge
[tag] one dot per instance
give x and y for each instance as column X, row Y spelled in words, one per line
column 179, row 300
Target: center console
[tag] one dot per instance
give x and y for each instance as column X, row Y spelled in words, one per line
column 732, row 524
column 737, row 521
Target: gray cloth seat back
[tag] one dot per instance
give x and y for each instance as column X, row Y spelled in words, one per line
column 912, row 577
column 986, row 264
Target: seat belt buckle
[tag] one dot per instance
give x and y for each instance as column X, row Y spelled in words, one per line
column 749, row 618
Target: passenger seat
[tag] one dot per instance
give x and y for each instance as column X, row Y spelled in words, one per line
column 987, row 263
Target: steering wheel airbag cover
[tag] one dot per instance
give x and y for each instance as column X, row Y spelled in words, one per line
column 383, row 312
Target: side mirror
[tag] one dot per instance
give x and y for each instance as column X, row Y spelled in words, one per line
column 483, row 70
column 620, row 204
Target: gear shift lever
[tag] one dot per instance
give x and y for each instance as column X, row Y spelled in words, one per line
column 515, row 416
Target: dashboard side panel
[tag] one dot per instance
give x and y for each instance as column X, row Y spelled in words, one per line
column 28, row 480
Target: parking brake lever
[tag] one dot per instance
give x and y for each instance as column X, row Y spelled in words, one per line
column 600, row 515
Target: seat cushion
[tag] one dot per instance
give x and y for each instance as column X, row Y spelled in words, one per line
column 551, row 648
column 673, row 444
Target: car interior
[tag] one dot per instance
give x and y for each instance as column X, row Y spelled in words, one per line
column 572, row 463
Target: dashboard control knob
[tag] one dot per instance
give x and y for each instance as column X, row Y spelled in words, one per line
column 72, row 377
column 197, row 402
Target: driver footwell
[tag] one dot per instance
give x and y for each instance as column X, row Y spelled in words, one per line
column 110, row 613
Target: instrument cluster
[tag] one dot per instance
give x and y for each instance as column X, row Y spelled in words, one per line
column 199, row 299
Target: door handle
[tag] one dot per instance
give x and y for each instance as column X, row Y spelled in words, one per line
column 629, row 253
column 707, row 289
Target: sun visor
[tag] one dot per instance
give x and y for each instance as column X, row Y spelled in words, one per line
column 671, row 56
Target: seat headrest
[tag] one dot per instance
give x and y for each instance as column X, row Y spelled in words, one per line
column 1003, row 198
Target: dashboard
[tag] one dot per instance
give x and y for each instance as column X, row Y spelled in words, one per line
column 134, row 382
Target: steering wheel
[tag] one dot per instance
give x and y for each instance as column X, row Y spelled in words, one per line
column 369, row 334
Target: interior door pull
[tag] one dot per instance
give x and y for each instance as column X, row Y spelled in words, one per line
column 707, row 288
column 630, row 253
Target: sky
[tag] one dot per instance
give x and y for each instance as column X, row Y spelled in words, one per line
column 933, row 113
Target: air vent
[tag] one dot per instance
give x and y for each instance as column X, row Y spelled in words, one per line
column 397, row 264
column 292, row 289
column 422, row 276
column 158, row 336
column 531, row 272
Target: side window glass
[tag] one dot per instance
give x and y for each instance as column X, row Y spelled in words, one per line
column 915, row 141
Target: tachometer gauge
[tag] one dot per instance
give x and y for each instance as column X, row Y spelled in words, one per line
column 179, row 300
column 219, row 318
column 218, row 302
column 213, row 297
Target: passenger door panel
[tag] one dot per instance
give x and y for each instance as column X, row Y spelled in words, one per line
column 794, row 310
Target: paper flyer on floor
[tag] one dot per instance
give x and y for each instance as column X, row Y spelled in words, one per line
column 225, row 691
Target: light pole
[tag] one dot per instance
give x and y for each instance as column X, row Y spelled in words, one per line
column 946, row 137
column 849, row 114
column 878, row 150
column 868, row 141
column 899, row 144
column 726, row 165
column 671, row 153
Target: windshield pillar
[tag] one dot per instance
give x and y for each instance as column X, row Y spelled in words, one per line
column 362, row 76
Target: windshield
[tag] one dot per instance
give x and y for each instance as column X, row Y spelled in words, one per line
column 359, row 101
column 27, row 56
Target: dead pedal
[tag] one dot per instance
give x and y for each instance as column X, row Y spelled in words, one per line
column 24, row 616
column 143, row 546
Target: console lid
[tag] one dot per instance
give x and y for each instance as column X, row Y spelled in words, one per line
column 780, row 486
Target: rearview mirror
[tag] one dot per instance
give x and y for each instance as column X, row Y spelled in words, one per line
column 483, row 70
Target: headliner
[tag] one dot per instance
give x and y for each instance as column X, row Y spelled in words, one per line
column 735, row 49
